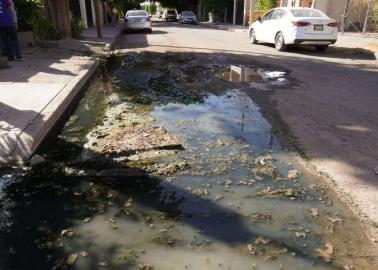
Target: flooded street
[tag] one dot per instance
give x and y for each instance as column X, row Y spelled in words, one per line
column 169, row 164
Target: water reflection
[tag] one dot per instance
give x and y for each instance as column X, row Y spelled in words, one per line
column 253, row 75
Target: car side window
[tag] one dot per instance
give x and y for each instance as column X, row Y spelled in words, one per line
column 278, row 14
column 268, row 16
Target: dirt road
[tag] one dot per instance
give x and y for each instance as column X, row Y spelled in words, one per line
column 330, row 106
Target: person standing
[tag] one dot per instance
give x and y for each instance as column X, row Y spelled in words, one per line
column 8, row 31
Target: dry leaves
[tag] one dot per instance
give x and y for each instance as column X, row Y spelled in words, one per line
column 72, row 259
column 263, row 241
column 292, row 174
column 314, row 212
column 327, row 253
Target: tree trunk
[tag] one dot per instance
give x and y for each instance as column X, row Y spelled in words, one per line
column 58, row 12
column 98, row 18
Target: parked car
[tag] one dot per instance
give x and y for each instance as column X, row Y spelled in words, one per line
column 170, row 15
column 300, row 26
column 138, row 20
column 187, row 17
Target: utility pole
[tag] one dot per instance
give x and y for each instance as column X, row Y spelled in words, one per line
column 345, row 16
column 235, row 11
column 98, row 18
column 370, row 4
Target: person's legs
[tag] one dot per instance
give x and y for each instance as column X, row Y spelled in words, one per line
column 13, row 38
column 2, row 49
column 4, row 35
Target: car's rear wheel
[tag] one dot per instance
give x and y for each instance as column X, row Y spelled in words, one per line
column 252, row 37
column 280, row 42
column 321, row 48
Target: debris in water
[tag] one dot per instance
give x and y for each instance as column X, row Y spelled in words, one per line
column 145, row 266
column 218, row 197
column 67, row 232
column 87, row 219
column 129, row 203
column 251, row 249
column 327, row 253
column 300, row 234
column 83, row 254
column 292, row 174
column 72, row 259
column 314, row 212
column 263, row 241
column 103, row 264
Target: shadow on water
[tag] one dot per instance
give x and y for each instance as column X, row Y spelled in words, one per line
column 123, row 215
column 41, row 210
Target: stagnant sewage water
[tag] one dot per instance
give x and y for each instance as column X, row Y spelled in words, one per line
column 174, row 168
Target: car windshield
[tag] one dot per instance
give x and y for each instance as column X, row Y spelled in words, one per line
column 170, row 12
column 306, row 13
column 187, row 13
column 137, row 13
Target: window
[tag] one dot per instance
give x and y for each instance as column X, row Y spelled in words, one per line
column 268, row 16
column 187, row 13
column 279, row 14
column 136, row 13
column 307, row 13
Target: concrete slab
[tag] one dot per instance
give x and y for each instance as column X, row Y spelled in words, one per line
column 33, row 96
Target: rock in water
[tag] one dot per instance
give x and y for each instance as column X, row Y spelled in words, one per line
column 36, row 160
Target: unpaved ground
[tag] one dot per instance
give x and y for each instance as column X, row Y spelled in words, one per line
column 330, row 109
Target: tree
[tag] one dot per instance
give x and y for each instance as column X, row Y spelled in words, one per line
column 179, row 4
column 266, row 4
column 58, row 12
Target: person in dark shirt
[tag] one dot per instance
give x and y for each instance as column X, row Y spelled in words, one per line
column 8, row 32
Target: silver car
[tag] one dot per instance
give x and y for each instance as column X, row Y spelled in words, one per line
column 138, row 20
column 188, row 17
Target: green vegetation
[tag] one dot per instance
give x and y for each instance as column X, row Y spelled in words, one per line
column 77, row 27
column 265, row 4
column 43, row 28
column 26, row 10
column 151, row 8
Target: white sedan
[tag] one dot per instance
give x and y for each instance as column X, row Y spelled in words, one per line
column 138, row 20
column 300, row 26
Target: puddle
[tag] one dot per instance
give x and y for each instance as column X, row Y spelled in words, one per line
column 228, row 198
column 256, row 77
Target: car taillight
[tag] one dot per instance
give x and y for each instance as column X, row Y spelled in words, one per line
column 301, row 24
column 148, row 19
column 332, row 24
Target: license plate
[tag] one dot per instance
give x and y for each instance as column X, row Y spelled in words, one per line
column 318, row 27
column 136, row 20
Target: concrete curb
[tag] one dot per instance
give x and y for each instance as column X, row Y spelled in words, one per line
column 224, row 27
column 37, row 130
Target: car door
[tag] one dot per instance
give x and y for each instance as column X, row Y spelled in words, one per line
column 263, row 26
column 275, row 25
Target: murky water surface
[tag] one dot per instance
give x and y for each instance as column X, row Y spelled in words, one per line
column 233, row 199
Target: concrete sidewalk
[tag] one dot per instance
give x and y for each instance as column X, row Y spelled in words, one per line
column 35, row 93
column 89, row 42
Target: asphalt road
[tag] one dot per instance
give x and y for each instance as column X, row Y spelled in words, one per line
column 331, row 105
